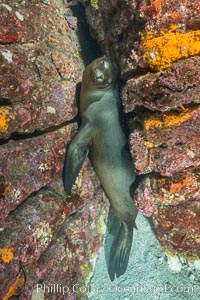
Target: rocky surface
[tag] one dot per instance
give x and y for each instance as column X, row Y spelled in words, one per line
column 45, row 236
column 166, row 90
column 40, row 67
column 145, row 35
column 53, row 247
column 37, row 161
column 77, row 246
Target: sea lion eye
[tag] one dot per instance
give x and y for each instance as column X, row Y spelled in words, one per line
column 104, row 64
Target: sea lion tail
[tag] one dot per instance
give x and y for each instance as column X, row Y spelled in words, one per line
column 120, row 251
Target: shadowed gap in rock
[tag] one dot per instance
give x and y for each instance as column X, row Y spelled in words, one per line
column 89, row 47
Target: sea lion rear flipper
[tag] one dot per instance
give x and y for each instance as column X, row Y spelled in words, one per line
column 75, row 156
column 120, row 251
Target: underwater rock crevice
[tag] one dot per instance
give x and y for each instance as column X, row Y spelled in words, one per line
column 16, row 136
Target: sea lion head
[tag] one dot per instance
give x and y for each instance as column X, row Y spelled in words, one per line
column 102, row 72
column 98, row 77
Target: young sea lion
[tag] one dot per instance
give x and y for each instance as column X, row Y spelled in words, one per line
column 102, row 137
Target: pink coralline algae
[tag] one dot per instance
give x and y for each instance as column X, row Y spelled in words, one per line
column 45, row 236
column 37, row 162
column 176, row 86
column 38, row 73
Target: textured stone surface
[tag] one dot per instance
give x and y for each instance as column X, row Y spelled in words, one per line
column 40, row 67
column 45, row 236
column 145, row 34
column 177, row 228
column 77, row 245
column 169, row 142
column 28, row 165
column 167, row 90
column 32, row 232
column 168, row 152
column 38, row 219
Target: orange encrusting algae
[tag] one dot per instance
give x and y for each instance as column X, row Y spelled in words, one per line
column 179, row 186
column 183, row 187
column 157, row 4
column 6, row 254
column 175, row 15
column 6, row 114
column 162, row 51
column 169, row 119
column 18, row 284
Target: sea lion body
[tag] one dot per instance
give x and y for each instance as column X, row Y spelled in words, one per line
column 102, row 136
column 109, row 158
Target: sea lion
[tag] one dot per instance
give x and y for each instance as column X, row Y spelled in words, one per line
column 101, row 136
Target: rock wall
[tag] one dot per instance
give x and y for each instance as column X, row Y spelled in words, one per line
column 46, row 239
column 157, row 46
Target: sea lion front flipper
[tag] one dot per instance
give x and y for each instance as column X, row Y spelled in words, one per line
column 120, row 251
column 75, row 156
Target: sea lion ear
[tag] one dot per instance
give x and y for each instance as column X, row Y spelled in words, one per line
column 75, row 156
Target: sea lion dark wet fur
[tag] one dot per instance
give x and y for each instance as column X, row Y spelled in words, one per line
column 102, row 137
